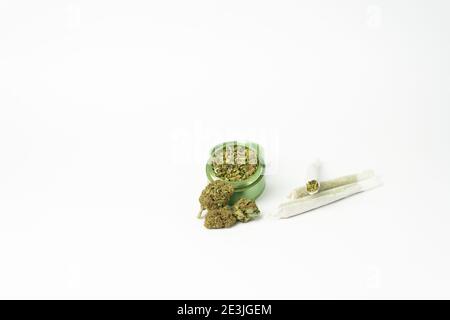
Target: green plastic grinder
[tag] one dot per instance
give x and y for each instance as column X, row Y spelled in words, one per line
column 250, row 188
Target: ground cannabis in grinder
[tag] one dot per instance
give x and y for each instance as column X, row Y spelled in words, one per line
column 234, row 162
column 220, row 218
column 245, row 210
column 216, row 195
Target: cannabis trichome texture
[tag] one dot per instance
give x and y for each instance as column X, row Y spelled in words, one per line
column 220, row 218
column 216, row 195
column 245, row 210
column 234, row 162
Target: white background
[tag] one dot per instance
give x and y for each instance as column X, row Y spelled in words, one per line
column 108, row 110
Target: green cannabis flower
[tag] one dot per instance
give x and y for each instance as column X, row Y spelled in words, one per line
column 216, row 195
column 220, row 218
column 312, row 186
column 245, row 210
column 234, row 163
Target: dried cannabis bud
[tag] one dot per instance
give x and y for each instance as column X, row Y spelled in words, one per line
column 216, row 195
column 234, row 162
column 220, row 218
column 312, row 186
column 245, row 210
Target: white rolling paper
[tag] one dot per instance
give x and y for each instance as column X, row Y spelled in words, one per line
column 298, row 206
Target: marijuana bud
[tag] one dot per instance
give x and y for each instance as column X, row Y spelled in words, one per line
column 245, row 210
column 220, row 218
column 234, row 163
column 216, row 195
